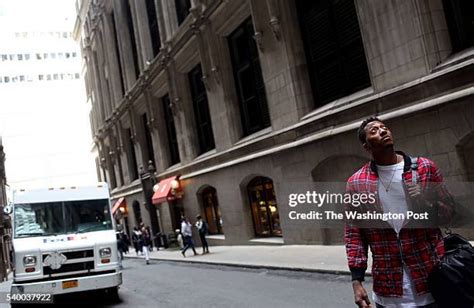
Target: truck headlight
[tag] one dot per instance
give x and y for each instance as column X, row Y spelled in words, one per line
column 105, row 252
column 29, row 260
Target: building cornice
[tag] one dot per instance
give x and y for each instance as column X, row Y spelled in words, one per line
column 330, row 120
column 318, row 135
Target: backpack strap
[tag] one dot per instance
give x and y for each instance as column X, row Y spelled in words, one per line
column 415, row 177
column 414, row 169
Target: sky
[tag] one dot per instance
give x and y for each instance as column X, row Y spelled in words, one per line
column 44, row 125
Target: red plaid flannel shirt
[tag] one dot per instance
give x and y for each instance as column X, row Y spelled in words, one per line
column 420, row 249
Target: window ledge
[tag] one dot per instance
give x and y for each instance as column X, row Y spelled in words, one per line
column 205, row 154
column 125, row 190
column 253, row 136
column 339, row 102
column 456, row 58
column 173, row 167
column 134, row 184
column 268, row 240
column 216, row 237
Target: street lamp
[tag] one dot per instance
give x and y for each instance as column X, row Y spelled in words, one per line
column 174, row 187
column 151, row 169
column 174, row 184
column 148, row 181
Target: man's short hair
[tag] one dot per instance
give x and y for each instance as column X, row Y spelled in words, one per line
column 361, row 130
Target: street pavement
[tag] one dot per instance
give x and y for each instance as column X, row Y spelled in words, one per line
column 310, row 258
column 180, row 284
column 229, row 276
column 173, row 284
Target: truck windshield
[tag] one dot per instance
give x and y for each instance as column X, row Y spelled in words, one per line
column 50, row 218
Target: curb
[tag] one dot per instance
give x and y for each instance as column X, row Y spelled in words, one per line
column 254, row 266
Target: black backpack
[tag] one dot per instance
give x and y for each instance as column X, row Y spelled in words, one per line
column 452, row 282
column 204, row 229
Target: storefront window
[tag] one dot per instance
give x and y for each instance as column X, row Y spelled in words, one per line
column 212, row 212
column 265, row 214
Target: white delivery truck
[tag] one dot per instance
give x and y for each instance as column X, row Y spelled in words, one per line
column 64, row 241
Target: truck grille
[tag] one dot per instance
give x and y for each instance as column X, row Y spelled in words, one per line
column 78, row 254
column 67, row 268
column 77, row 261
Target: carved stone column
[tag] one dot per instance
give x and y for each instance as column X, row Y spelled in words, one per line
column 113, row 60
column 144, row 32
column 125, row 44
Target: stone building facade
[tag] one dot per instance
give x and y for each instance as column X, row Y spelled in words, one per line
column 240, row 98
column 3, row 179
column 5, row 223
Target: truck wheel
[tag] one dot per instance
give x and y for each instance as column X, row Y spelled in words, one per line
column 111, row 294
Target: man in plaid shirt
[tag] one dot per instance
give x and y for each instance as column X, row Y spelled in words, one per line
column 403, row 256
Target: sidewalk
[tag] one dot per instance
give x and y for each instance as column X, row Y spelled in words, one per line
column 312, row 258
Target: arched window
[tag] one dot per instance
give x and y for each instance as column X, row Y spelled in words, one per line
column 212, row 212
column 137, row 212
column 335, row 170
column 264, row 208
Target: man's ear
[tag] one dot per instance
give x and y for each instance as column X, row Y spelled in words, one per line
column 366, row 147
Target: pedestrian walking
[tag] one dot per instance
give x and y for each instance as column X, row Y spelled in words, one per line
column 146, row 243
column 137, row 240
column 179, row 238
column 150, row 242
column 403, row 256
column 202, row 227
column 126, row 242
column 186, row 230
column 119, row 248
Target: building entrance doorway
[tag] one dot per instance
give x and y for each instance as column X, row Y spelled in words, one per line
column 266, row 218
column 212, row 211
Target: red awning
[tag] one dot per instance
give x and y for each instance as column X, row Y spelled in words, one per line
column 164, row 192
column 120, row 202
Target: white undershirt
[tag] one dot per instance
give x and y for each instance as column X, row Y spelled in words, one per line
column 394, row 201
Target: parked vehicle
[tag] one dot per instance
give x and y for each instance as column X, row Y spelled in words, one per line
column 64, row 241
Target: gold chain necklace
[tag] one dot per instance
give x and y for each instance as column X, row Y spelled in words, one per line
column 387, row 187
